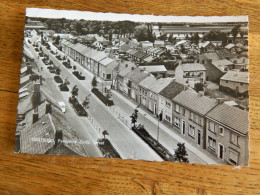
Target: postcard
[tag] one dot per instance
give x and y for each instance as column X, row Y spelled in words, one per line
column 141, row 87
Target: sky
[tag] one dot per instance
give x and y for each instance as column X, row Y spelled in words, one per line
column 68, row 14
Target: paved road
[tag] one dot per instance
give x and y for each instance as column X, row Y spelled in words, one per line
column 80, row 124
column 127, row 143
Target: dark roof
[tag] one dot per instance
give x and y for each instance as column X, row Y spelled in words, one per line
column 195, row 102
column 171, row 90
column 230, row 116
column 39, row 137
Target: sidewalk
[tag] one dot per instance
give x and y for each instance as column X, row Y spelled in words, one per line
column 199, row 155
column 203, row 155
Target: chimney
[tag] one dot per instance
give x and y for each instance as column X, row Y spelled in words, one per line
column 210, row 60
column 35, row 117
column 220, row 100
column 36, row 88
column 58, row 137
column 40, row 79
column 48, row 108
column 201, row 93
column 185, row 86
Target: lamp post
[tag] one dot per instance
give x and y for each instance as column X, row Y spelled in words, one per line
column 159, row 119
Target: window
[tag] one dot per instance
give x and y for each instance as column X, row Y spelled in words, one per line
column 168, row 104
column 196, row 118
column 211, row 127
column 212, row 143
column 200, row 120
column 183, row 111
column 144, row 101
column 221, row 131
column 167, row 118
column 234, row 139
column 177, row 108
column 191, row 116
column 177, row 121
column 226, row 81
column 151, row 94
column 191, row 131
column 108, row 76
column 241, row 84
column 233, row 157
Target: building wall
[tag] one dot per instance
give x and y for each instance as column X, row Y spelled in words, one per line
column 241, row 87
column 193, row 119
column 165, row 109
column 225, row 140
column 212, row 73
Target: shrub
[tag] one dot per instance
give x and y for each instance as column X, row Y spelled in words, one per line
column 103, row 98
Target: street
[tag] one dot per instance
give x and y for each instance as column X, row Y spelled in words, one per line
column 126, row 142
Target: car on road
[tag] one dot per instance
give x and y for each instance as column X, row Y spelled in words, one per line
column 62, row 106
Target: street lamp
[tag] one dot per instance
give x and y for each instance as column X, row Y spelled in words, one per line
column 159, row 119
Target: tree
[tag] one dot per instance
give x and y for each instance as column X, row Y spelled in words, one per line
column 181, row 154
column 235, row 32
column 196, row 38
column 198, row 87
column 85, row 103
column 134, row 117
column 104, row 133
column 74, row 91
column 94, row 82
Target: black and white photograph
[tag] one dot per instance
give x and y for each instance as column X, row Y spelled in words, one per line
column 140, row 87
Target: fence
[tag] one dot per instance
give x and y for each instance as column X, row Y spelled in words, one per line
column 122, row 118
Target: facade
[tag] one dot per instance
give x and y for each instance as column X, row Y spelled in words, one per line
column 235, row 82
column 106, row 67
column 189, row 110
column 133, row 79
column 150, row 88
column 190, row 74
column 212, row 72
column 165, row 104
column 227, row 134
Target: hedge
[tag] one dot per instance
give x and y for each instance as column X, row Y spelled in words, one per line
column 103, row 98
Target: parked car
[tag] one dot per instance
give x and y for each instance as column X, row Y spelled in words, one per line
column 62, row 106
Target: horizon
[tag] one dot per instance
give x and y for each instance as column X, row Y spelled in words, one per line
column 100, row 16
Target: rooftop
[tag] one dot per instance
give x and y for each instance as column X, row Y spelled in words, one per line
column 154, row 68
column 171, row 90
column 235, row 76
column 192, row 67
column 155, row 85
column 195, row 102
column 137, row 75
column 232, row 117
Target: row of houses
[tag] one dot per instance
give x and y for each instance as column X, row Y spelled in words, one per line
column 95, row 61
column 210, row 124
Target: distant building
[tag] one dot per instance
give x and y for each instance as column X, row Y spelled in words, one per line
column 227, row 134
column 207, row 47
column 235, row 82
column 190, row 74
column 159, row 44
column 156, row 70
